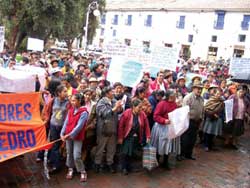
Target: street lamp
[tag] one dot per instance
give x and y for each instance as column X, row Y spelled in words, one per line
column 93, row 7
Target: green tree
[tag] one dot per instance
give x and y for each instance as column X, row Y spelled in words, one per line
column 23, row 18
column 74, row 21
column 63, row 19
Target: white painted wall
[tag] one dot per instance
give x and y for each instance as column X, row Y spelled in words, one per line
column 163, row 30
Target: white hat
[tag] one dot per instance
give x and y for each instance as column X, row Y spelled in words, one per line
column 55, row 70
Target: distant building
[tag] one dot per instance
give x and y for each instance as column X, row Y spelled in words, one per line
column 209, row 29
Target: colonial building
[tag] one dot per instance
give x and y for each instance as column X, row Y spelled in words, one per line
column 209, row 29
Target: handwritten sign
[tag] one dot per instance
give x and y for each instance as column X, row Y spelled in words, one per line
column 164, row 58
column 239, row 66
column 1, row 38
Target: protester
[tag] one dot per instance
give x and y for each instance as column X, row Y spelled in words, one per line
column 196, row 103
column 140, row 94
column 107, row 109
column 154, row 99
column 159, row 83
column 214, row 118
column 56, row 113
column 236, row 127
column 133, row 126
column 73, row 132
column 159, row 135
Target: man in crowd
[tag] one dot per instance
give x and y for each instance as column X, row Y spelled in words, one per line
column 196, row 105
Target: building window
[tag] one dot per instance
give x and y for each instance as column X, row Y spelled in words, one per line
column 102, row 31
column 219, row 23
column 129, row 20
column 128, row 42
column 148, row 21
column 212, row 51
column 190, row 38
column 103, row 19
column 146, row 46
column 115, row 20
column 114, row 33
column 181, row 23
column 168, row 45
column 242, row 38
column 214, row 38
column 245, row 22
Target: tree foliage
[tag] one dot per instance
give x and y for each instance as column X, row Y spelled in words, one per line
column 62, row 19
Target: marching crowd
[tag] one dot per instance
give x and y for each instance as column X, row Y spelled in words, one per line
column 96, row 119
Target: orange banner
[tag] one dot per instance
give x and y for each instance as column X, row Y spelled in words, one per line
column 21, row 128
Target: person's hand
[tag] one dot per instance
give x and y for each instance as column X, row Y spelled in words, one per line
column 167, row 121
column 118, row 105
column 120, row 141
column 148, row 140
column 65, row 137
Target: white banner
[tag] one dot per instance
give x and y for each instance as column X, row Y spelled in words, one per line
column 153, row 59
column 229, row 110
column 178, row 123
column 35, row 44
column 1, row 38
column 20, row 80
column 239, row 66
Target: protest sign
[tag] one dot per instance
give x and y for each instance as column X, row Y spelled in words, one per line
column 21, row 128
column 1, row 38
column 164, row 58
column 19, row 80
column 152, row 60
column 239, row 66
column 179, row 124
column 126, row 71
column 229, row 110
column 35, row 44
column 114, row 48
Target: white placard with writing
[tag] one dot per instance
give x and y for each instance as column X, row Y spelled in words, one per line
column 1, row 38
column 239, row 66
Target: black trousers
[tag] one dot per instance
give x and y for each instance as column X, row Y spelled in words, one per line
column 208, row 140
column 188, row 138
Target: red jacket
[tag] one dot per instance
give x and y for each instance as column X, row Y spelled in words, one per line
column 162, row 109
column 126, row 123
column 73, row 120
column 156, row 86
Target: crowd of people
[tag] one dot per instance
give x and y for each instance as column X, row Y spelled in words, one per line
column 96, row 119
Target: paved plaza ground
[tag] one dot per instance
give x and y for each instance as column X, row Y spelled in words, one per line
column 219, row 169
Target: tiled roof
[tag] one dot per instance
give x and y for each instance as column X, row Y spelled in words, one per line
column 184, row 5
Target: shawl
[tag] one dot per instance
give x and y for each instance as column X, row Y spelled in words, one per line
column 214, row 105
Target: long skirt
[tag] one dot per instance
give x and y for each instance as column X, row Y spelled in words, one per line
column 160, row 140
column 213, row 126
column 235, row 127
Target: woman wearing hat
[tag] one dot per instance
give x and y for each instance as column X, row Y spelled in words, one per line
column 236, row 128
column 181, row 87
column 214, row 109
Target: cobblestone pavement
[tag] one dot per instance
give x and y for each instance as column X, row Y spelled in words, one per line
column 218, row 169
